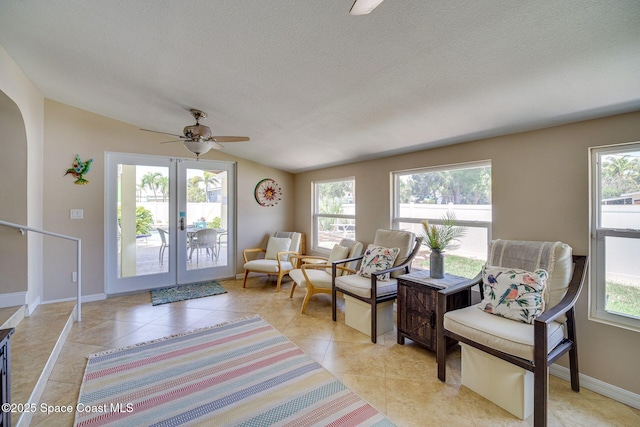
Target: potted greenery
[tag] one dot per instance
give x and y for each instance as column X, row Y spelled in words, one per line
column 439, row 237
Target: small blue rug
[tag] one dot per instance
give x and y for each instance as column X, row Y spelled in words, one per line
column 185, row 292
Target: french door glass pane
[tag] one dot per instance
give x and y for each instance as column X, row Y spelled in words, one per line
column 206, row 218
column 622, row 276
column 143, row 220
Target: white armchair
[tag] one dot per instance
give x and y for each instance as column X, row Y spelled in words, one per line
column 371, row 286
column 279, row 258
column 533, row 341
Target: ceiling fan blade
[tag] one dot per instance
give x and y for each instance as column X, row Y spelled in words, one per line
column 364, row 7
column 215, row 145
column 229, row 138
column 168, row 142
column 164, row 133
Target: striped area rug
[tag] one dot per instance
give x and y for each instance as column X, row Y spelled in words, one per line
column 243, row 373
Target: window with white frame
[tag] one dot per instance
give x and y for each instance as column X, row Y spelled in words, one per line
column 615, row 235
column 463, row 190
column 334, row 212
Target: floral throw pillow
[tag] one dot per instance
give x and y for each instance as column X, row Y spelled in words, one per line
column 377, row 258
column 512, row 293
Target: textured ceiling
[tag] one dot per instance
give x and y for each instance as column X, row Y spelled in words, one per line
column 314, row 86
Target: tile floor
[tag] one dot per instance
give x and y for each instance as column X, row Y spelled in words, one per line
column 398, row 380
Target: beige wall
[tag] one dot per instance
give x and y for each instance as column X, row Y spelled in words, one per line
column 69, row 131
column 540, row 192
column 19, row 89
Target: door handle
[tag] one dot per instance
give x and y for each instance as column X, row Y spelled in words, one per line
column 182, row 224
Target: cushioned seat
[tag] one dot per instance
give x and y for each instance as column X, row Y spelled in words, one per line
column 361, row 286
column 499, row 333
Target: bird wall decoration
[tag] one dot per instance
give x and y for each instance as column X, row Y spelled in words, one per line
column 79, row 169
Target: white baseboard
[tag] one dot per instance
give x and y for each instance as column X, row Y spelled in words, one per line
column 15, row 318
column 13, row 299
column 94, row 297
column 85, row 298
column 31, row 306
column 616, row 393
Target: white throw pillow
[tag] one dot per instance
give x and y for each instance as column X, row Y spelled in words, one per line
column 337, row 253
column 275, row 245
column 512, row 293
column 377, row 258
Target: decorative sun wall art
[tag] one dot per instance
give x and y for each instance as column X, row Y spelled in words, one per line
column 268, row 192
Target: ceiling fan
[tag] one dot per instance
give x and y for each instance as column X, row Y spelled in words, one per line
column 197, row 138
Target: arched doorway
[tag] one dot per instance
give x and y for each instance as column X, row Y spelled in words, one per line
column 13, row 201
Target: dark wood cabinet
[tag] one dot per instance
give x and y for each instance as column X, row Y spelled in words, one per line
column 5, row 377
column 416, row 305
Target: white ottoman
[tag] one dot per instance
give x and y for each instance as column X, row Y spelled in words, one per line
column 358, row 316
column 506, row 385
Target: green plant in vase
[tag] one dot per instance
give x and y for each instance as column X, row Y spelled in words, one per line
column 438, row 238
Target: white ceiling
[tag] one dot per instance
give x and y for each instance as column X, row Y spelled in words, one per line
column 314, row 86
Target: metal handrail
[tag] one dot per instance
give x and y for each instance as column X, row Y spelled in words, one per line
column 23, row 228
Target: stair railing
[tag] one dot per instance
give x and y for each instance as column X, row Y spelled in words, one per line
column 23, row 228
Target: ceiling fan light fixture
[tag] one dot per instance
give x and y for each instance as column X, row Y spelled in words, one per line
column 364, row 7
column 197, row 147
column 198, row 138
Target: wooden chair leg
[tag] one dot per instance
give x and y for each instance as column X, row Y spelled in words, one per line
column 540, row 395
column 293, row 288
column 374, row 321
column 573, row 369
column 334, row 304
column 573, row 352
column 307, row 297
column 280, row 276
column 244, row 283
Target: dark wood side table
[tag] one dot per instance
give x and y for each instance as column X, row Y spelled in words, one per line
column 5, row 375
column 417, row 302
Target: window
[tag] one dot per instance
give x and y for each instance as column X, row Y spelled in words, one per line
column 334, row 212
column 465, row 191
column 615, row 235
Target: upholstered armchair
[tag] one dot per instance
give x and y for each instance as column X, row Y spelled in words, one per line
column 279, row 258
column 375, row 282
column 315, row 275
column 520, row 319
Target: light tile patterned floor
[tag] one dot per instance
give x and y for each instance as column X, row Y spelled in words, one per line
column 398, row 380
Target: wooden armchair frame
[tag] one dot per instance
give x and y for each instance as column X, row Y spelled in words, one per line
column 294, row 259
column 543, row 356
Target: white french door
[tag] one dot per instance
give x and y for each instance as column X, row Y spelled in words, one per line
column 167, row 221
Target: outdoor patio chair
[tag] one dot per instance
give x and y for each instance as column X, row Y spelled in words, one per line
column 206, row 238
column 164, row 237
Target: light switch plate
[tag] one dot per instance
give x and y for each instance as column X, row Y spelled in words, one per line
column 77, row 213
